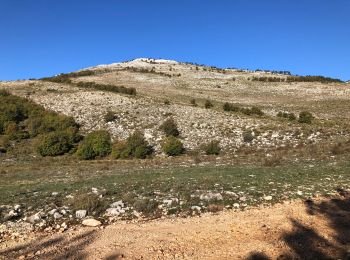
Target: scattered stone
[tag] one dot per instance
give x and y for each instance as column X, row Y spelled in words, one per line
column 91, row 222
column 57, row 215
column 80, row 213
column 243, row 198
column 168, row 202
column 54, row 193
column 236, row 205
column 112, row 212
column 117, row 204
column 268, row 197
column 12, row 214
column 211, row 196
column 197, row 208
column 299, row 192
column 231, row 193
column 34, row 218
column 53, row 211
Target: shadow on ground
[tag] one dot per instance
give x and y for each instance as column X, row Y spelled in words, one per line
column 60, row 247
column 306, row 243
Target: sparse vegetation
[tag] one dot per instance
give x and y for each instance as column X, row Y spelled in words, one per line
column 193, row 102
column 110, row 116
column 248, row 136
column 109, row 88
column 252, row 111
column 208, row 104
column 305, row 117
column 55, row 143
column 230, row 107
column 172, row 146
column 95, row 144
column 289, row 116
column 169, row 127
column 211, row 148
column 135, row 146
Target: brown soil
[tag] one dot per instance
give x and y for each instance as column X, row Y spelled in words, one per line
column 293, row 230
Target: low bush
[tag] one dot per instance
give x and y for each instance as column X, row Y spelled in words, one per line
column 211, row 148
column 55, row 143
column 89, row 202
column 193, row 102
column 172, row 146
column 145, row 206
column 208, row 104
column 305, row 117
column 110, row 116
column 252, row 111
column 248, row 136
column 169, row 127
column 95, row 144
column 4, row 143
column 289, row 116
column 230, row 107
column 135, row 146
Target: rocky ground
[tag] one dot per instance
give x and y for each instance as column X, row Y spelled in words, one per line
column 292, row 230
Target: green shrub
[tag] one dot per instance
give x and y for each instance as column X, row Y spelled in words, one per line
column 4, row 143
column 248, row 136
column 289, row 116
column 135, row 146
column 121, row 150
column 305, row 117
column 208, row 104
column 246, row 111
column 292, row 117
column 256, row 111
column 169, row 127
column 212, row 147
column 110, row 116
column 95, row 144
column 54, row 143
column 49, row 122
column 230, row 107
column 173, row 146
column 193, row 102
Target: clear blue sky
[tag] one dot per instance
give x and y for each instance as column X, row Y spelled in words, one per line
column 45, row 37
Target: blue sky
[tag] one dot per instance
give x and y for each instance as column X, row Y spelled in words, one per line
column 41, row 38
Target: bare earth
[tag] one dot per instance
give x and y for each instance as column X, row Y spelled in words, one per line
column 292, row 230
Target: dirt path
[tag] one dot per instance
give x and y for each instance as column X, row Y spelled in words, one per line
column 306, row 230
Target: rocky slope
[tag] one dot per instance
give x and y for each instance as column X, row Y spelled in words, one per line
column 165, row 89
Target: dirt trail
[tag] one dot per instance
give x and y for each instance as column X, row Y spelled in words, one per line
column 302, row 230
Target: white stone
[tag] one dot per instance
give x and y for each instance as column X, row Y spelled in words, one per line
column 91, row 222
column 112, row 212
column 268, row 198
column 57, row 215
column 80, row 213
column 119, row 203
